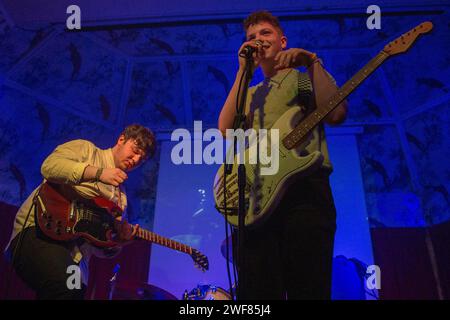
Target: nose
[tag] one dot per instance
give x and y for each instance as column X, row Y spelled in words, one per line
column 137, row 158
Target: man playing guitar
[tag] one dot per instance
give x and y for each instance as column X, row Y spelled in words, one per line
column 290, row 253
column 77, row 169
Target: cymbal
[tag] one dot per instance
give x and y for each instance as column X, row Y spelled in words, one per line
column 142, row 291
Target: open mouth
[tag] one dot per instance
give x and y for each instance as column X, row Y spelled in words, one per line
column 265, row 45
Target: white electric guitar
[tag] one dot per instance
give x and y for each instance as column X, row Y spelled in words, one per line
column 263, row 193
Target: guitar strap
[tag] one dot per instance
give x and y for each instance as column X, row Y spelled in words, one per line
column 305, row 90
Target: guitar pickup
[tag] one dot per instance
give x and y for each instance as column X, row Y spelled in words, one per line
column 72, row 211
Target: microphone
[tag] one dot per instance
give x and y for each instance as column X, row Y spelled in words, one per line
column 247, row 51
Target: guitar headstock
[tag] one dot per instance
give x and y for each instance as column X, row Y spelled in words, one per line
column 405, row 41
column 200, row 260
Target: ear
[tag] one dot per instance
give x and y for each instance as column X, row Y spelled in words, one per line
column 283, row 42
column 121, row 140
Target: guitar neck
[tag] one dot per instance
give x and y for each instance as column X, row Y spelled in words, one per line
column 314, row 118
column 166, row 242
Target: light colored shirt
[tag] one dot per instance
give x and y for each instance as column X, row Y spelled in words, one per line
column 272, row 97
column 65, row 166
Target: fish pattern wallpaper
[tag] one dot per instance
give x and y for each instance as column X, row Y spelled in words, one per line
column 57, row 85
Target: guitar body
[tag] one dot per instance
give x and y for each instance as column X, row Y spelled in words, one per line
column 263, row 192
column 64, row 220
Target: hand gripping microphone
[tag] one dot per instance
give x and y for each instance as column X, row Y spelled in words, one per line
column 247, row 51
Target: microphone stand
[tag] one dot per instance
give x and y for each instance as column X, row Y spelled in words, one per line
column 240, row 123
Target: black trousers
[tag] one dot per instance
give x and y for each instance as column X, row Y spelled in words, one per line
column 290, row 255
column 42, row 264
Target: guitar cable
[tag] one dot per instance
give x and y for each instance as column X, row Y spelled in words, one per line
column 21, row 234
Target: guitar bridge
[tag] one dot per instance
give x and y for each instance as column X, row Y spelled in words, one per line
column 229, row 211
column 232, row 211
column 44, row 210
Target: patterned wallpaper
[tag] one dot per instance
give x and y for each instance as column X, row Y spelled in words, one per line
column 57, row 85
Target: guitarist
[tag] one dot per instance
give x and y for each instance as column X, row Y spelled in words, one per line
column 80, row 169
column 290, row 254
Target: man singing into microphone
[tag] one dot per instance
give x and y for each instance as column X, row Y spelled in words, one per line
column 290, row 254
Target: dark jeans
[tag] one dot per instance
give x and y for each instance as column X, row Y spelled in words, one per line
column 42, row 264
column 290, row 255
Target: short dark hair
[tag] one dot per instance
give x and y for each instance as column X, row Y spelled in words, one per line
column 144, row 137
column 262, row 16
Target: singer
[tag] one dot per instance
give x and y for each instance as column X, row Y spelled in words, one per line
column 289, row 255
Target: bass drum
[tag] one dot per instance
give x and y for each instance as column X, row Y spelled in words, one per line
column 207, row 292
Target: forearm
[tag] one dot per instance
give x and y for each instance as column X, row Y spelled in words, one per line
column 89, row 173
column 61, row 170
column 324, row 88
column 226, row 117
column 67, row 171
column 67, row 163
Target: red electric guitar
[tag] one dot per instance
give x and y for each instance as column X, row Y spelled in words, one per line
column 62, row 219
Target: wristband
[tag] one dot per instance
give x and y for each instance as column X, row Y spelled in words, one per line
column 313, row 58
column 98, row 174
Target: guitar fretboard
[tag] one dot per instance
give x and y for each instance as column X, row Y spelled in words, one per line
column 155, row 238
column 313, row 119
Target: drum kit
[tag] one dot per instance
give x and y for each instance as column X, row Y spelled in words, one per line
column 207, row 292
column 145, row 291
